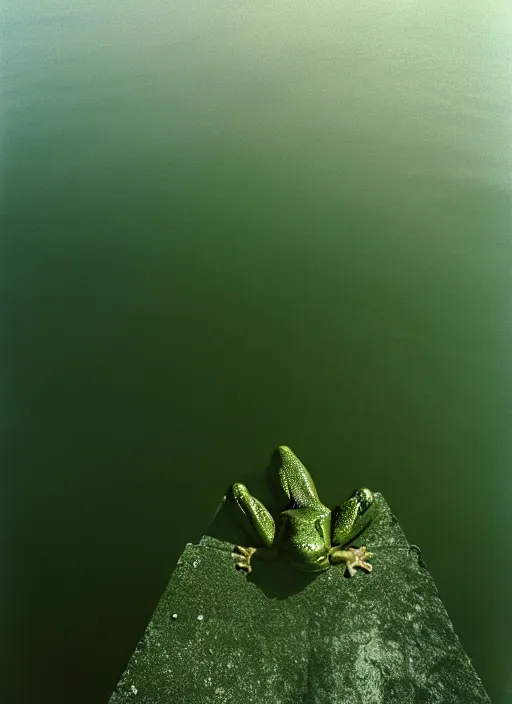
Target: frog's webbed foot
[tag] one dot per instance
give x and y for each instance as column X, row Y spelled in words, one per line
column 242, row 558
column 353, row 557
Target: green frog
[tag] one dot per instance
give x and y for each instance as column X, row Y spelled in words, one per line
column 311, row 536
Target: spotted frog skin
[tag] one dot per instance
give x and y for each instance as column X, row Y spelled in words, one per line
column 311, row 536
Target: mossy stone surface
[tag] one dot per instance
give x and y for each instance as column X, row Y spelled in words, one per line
column 218, row 635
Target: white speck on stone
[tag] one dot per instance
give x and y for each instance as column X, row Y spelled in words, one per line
column 175, row 616
column 200, row 617
column 134, row 689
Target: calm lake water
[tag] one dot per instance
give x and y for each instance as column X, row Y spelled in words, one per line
column 230, row 225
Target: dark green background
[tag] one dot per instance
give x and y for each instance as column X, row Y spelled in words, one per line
column 228, row 225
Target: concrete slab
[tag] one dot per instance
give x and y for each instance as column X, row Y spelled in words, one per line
column 218, row 635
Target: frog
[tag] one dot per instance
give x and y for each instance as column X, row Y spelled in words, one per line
column 311, row 536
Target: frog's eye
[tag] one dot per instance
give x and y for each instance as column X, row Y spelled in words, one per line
column 365, row 499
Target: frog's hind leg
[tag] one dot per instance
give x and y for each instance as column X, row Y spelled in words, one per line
column 295, row 480
column 353, row 516
column 259, row 519
column 344, row 517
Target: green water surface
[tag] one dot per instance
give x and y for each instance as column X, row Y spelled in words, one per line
column 230, row 225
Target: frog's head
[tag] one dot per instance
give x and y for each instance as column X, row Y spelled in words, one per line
column 365, row 500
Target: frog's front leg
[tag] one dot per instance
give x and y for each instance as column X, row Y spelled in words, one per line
column 262, row 524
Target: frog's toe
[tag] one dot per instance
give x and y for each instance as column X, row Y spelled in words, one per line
column 353, row 557
column 243, row 557
column 359, row 556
